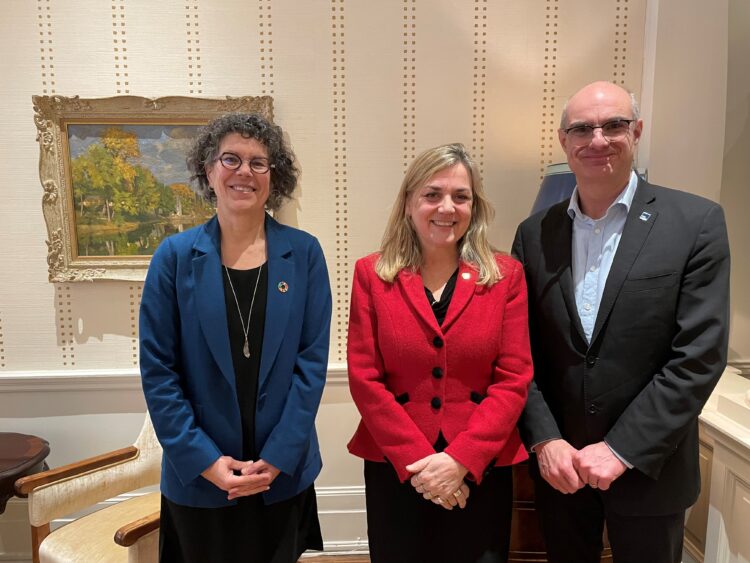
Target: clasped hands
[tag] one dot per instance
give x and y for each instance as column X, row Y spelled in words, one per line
column 568, row 469
column 440, row 479
column 254, row 476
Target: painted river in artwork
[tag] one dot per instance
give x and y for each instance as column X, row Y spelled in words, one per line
column 132, row 240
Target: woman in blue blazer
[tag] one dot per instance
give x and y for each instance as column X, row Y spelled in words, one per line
column 234, row 325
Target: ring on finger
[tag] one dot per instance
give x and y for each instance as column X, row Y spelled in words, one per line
column 457, row 493
column 428, row 495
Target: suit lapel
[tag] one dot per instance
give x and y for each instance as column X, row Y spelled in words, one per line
column 640, row 220
column 557, row 243
column 209, row 296
column 466, row 284
column 412, row 289
column 281, row 275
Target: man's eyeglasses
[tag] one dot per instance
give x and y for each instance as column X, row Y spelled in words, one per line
column 231, row 161
column 612, row 130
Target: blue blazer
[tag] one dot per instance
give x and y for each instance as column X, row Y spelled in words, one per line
column 187, row 370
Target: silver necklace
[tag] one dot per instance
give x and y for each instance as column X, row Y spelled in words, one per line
column 245, row 327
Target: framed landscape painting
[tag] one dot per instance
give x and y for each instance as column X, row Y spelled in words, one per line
column 115, row 180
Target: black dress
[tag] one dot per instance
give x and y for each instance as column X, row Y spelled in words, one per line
column 250, row 530
column 403, row 527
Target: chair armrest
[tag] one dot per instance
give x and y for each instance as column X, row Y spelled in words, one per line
column 131, row 533
column 77, row 486
column 27, row 484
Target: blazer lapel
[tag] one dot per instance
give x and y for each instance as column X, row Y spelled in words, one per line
column 412, row 288
column 466, row 284
column 640, row 220
column 209, row 296
column 557, row 243
column 281, row 291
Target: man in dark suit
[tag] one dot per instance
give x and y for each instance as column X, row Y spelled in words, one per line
column 629, row 304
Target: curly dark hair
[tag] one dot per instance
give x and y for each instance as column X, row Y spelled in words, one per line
column 251, row 126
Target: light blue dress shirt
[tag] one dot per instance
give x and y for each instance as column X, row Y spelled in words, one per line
column 595, row 243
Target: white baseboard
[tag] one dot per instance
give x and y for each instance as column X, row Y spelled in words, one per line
column 15, row 532
column 742, row 365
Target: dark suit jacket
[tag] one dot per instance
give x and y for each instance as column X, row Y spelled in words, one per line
column 658, row 348
column 412, row 378
column 187, row 371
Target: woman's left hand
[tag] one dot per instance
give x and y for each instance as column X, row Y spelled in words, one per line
column 438, row 475
column 259, row 467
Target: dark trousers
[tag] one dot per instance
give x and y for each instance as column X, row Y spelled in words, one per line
column 403, row 527
column 572, row 526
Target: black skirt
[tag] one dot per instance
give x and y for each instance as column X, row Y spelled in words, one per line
column 248, row 531
column 403, row 527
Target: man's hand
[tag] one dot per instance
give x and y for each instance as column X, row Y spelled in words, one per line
column 598, row 466
column 555, row 458
column 222, row 474
column 438, row 477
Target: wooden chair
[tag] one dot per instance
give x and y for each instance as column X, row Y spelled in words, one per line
column 125, row 532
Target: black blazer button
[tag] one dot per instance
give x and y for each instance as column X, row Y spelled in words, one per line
column 436, row 402
column 438, row 342
column 591, row 361
column 593, row 409
column 437, row 372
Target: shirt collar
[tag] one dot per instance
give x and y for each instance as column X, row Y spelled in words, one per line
column 625, row 199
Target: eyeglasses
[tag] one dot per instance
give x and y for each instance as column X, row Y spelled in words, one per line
column 612, row 130
column 231, row 161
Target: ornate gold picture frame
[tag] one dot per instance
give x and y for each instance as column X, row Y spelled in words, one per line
column 114, row 178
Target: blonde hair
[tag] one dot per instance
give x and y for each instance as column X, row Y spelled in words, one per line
column 400, row 247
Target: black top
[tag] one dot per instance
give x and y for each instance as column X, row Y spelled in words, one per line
column 246, row 370
column 440, row 308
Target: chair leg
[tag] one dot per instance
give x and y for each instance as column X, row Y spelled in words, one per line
column 38, row 533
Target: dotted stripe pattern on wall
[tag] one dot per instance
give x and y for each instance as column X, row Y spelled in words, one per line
column 410, row 80
column 549, row 117
column 195, row 79
column 47, row 59
column 621, row 42
column 64, row 307
column 480, row 81
column 266, row 47
column 2, row 346
column 65, row 329
column 122, row 82
column 136, row 292
column 338, row 68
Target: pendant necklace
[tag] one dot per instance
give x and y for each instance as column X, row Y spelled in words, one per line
column 245, row 328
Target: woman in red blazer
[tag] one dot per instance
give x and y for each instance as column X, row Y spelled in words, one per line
column 439, row 366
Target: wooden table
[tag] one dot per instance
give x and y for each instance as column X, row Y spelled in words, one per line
column 20, row 455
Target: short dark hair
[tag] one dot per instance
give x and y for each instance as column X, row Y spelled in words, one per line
column 251, row 126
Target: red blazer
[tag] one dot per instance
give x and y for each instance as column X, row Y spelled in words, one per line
column 411, row 378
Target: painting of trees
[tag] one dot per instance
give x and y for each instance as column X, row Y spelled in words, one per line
column 125, row 198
